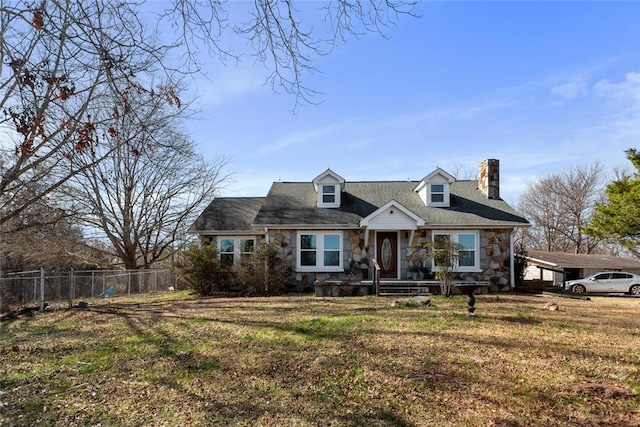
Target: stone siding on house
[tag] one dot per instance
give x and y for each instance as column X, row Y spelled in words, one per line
column 355, row 256
column 494, row 258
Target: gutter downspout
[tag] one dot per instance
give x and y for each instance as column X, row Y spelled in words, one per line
column 512, row 272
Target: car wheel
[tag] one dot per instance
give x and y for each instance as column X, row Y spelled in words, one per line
column 578, row 289
column 634, row 290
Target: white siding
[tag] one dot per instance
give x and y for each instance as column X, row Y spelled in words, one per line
column 392, row 219
column 532, row 272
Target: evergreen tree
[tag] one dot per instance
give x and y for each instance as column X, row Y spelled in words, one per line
column 618, row 218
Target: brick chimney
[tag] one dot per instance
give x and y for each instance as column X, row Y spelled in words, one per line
column 489, row 178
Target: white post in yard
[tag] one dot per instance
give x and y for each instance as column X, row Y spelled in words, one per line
column 41, row 289
column 512, row 273
column 71, row 288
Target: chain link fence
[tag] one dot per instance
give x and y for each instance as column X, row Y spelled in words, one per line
column 38, row 287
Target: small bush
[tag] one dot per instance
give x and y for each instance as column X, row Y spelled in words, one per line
column 520, row 261
column 264, row 273
column 411, row 303
column 202, row 271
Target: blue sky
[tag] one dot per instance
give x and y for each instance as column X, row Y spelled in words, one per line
column 541, row 86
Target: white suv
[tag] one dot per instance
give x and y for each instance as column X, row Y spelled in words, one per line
column 606, row 281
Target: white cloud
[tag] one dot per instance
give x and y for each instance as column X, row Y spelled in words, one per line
column 571, row 90
column 225, row 85
column 305, row 137
column 622, row 108
column 627, row 90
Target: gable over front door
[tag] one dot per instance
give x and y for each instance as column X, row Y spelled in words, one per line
column 387, row 254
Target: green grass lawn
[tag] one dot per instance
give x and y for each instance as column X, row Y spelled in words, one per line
column 306, row 361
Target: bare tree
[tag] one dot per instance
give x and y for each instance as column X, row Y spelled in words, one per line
column 463, row 172
column 60, row 59
column 43, row 235
column 280, row 38
column 57, row 60
column 149, row 188
column 559, row 207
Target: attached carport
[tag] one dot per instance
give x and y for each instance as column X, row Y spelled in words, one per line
column 557, row 267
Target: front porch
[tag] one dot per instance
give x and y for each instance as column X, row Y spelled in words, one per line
column 421, row 287
column 337, row 288
column 400, row 287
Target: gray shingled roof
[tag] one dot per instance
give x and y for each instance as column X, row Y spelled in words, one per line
column 561, row 260
column 228, row 214
column 294, row 204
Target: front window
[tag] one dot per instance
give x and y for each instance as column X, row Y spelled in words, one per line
column 233, row 250
column 459, row 251
column 328, row 194
column 437, row 193
column 320, row 251
column 441, row 253
column 308, row 250
column 227, row 251
column 467, row 250
column 247, row 247
column 331, row 250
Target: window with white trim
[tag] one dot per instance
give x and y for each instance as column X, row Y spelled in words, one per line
column 466, row 253
column 319, row 251
column 437, row 193
column 329, row 196
column 232, row 250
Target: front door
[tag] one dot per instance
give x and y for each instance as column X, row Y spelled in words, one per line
column 387, row 254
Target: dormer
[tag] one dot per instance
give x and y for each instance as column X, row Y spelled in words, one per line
column 328, row 186
column 434, row 189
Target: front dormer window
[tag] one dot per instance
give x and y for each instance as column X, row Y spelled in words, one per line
column 434, row 189
column 437, row 193
column 328, row 194
column 328, row 186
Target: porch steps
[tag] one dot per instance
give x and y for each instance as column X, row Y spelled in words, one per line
column 405, row 287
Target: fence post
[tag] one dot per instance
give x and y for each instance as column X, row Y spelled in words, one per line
column 71, row 288
column 93, row 282
column 129, row 280
column 41, row 289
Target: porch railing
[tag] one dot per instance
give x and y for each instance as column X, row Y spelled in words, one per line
column 376, row 277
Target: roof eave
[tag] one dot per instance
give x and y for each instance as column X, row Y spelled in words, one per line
column 477, row 226
column 309, row 226
column 229, row 232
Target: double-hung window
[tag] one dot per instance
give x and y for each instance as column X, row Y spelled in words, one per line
column 456, row 250
column 437, row 193
column 328, row 194
column 232, row 250
column 319, row 251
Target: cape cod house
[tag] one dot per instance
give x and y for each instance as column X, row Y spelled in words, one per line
column 330, row 227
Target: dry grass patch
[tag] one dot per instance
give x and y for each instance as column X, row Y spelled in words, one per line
column 307, row 361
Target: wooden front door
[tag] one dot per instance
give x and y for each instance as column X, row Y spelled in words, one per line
column 387, row 254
